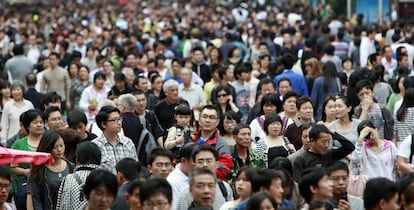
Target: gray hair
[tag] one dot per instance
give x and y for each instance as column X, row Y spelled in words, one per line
column 200, row 171
column 105, row 102
column 17, row 83
column 168, row 84
column 129, row 101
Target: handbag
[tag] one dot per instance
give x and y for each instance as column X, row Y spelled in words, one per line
column 356, row 184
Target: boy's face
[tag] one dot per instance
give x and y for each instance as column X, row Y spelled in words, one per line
column 133, row 200
column 80, row 128
column 5, row 187
column 182, row 120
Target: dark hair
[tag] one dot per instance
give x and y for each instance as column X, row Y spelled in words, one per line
column 284, row 79
column 119, row 76
column 269, row 120
column 134, row 185
column 103, row 115
column 347, row 59
column 257, row 199
column 310, row 177
column 336, row 165
column 318, row 204
column 75, row 117
column 264, row 178
column 281, row 163
column 4, row 173
column 288, row 60
column 377, row 189
column 239, row 70
column 97, row 75
column 200, row 171
column 363, row 124
column 228, row 115
column 408, row 102
column 290, row 94
column 155, row 186
column 51, row 97
column 215, row 67
column 182, row 109
column 100, row 177
column 210, row 107
column 325, row 102
column 396, row 88
column 30, row 79
column 49, row 110
column 177, row 60
column 363, row 84
column 347, row 103
column 248, row 171
column 316, row 130
column 72, row 139
column 302, row 100
column 129, row 168
column 29, row 116
column 329, row 73
column 403, row 183
column 238, row 127
column 409, row 195
column 204, row 148
column 187, row 150
column 159, row 152
column 88, row 153
column 272, row 99
column 18, row 50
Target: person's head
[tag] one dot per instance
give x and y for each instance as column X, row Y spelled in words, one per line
column 127, row 103
column 170, row 88
column 284, row 85
column 272, row 125
column 108, row 67
column 305, row 128
column 304, row 107
column 320, row 205
column 132, row 195
column 381, row 193
column 53, row 117
column 268, row 180
column 347, row 63
column 266, row 86
column 319, row 137
column 186, row 157
column 51, row 99
column 127, row 169
column 33, row 122
column 176, row 66
column 52, row 142
column 31, row 80
column 197, row 53
column 402, row 60
column 186, row 76
column 329, row 50
column 5, row 88
column 141, row 83
column 54, row 59
column 374, row 59
column 343, row 107
column 243, row 182
column 83, row 73
column 100, row 189
column 120, row 80
column 209, row 118
column 315, row 184
column 288, row 60
column 5, row 185
column 109, row 120
column 364, row 90
column 241, row 72
column 73, row 70
column 289, row 102
column 88, row 153
column 328, row 108
column 262, row 201
column 338, row 173
column 18, row 50
column 368, row 125
column 156, row 192
column 205, row 157
column 182, row 115
column 71, row 139
column 17, row 90
column 270, row 104
column 387, row 51
column 160, row 162
column 227, row 122
column 408, row 102
column 203, row 187
column 141, row 100
column 242, row 135
column 223, row 94
column 77, row 120
column 99, row 80
column 409, row 198
column 313, row 67
column 263, row 48
column 214, row 69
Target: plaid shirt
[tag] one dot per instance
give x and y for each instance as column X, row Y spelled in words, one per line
column 111, row 154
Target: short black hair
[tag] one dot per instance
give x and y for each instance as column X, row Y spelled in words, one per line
column 4, row 173
column 29, row 116
column 134, row 185
column 264, row 178
column 363, row 84
column 290, row 94
column 238, row 127
column 75, row 117
column 271, row 118
column 288, row 60
column 310, row 177
column 204, row 148
column 256, row 200
column 51, row 97
column 377, row 189
column 271, row 98
column 284, row 79
column 119, row 76
column 31, row 79
column 129, row 168
column 210, row 107
column 302, row 100
column 18, row 50
column 97, row 75
column 187, row 150
column 49, row 110
column 155, row 186
column 316, row 130
column 330, row 49
column 239, row 70
column 363, row 124
column 100, row 177
column 182, row 109
column 88, row 153
column 159, row 152
column 336, row 165
column 103, row 115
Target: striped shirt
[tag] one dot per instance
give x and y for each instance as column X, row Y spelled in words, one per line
column 405, row 127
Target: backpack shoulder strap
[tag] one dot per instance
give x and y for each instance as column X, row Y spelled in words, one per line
column 222, row 189
column 412, row 148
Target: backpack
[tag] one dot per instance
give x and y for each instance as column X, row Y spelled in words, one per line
column 146, row 142
column 412, row 149
column 222, row 189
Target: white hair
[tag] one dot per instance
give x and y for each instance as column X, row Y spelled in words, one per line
column 168, row 84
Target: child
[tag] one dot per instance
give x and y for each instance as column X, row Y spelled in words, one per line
column 179, row 134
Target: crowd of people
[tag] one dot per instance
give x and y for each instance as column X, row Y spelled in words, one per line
column 205, row 105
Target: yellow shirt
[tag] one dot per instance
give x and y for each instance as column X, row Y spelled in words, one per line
column 208, row 88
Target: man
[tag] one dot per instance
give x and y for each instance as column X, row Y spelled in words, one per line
column 367, row 46
column 77, row 120
column 190, row 92
column 165, row 109
column 242, row 90
column 388, row 61
column 338, row 173
column 283, row 87
column 131, row 61
column 112, row 146
column 206, row 157
column 148, row 117
column 5, row 186
column 127, row 170
column 156, row 192
column 131, row 124
column 209, row 135
column 241, row 152
column 316, row 185
column 33, row 50
column 266, row 86
column 305, row 128
column 31, row 93
column 18, row 66
column 121, row 86
column 53, row 118
column 160, row 163
column 132, row 195
column 56, row 79
column 176, row 66
column 178, row 178
column 199, row 66
column 298, row 81
column 318, row 154
column 225, row 74
column 202, row 188
column 266, row 180
column 381, row 193
column 51, row 99
column 341, row 46
column 141, row 83
column 330, row 56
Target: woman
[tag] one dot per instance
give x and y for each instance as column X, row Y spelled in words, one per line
column 156, row 86
column 92, row 95
column 44, row 181
column 290, row 111
column 5, row 95
column 225, row 101
column 100, row 190
column 305, row 116
column 73, row 71
column 90, row 59
column 270, row 104
column 328, row 110
column 214, row 56
column 404, row 124
column 264, row 64
column 256, row 66
column 34, row 125
column 382, row 90
column 347, row 65
column 313, row 70
column 12, row 110
column 229, row 120
column 377, row 156
column 344, row 123
column 242, row 186
column 325, row 85
column 273, row 144
column 77, row 87
column 234, row 56
column 262, row 201
column 399, row 93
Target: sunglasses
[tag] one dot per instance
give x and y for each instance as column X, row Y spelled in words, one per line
column 221, row 95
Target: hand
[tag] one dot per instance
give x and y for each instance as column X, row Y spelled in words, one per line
column 344, row 205
column 364, row 132
column 366, row 103
column 179, row 140
column 291, row 147
column 230, row 98
column 27, row 172
column 68, row 105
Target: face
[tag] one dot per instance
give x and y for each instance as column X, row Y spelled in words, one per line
column 230, row 73
column 269, row 109
column 99, row 82
column 339, row 179
column 5, row 92
column 73, row 70
column 392, row 204
column 141, row 102
column 222, row 97
column 17, row 93
column 263, row 50
column 182, row 120
column 172, row 93
column 83, row 73
column 404, row 61
column 203, row 190
column 208, row 120
column 36, row 127
column 157, row 85
column 243, row 186
column 59, row 149
column 266, row 205
column 80, row 128
column 267, row 88
column 284, row 87
column 229, row 125
column 306, row 111
column 107, row 68
column 214, row 54
column 330, row 108
column 198, row 56
column 325, row 188
column 276, row 190
column 142, row 84
column 161, row 167
column 305, row 138
column 243, row 138
column 185, row 75
column 205, row 159
column 158, row 201
column 347, row 64
column 290, row 105
column 53, row 60
column 55, row 121
column 5, row 187
column 176, row 67
column 274, row 129
column 341, row 110
column 320, row 145
column 133, row 200
column 119, row 84
column 100, row 198
column 365, row 94
column 113, row 124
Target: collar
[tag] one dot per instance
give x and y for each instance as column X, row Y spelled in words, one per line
column 212, row 140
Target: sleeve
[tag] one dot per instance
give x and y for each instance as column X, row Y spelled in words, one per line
column 132, row 150
column 304, row 89
column 156, row 128
column 170, row 141
column 341, row 152
column 315, row 96
column 298, row 168
column 33, row 190
column 363, row 53
column 357, row 154
column 43, row 82
column 389, row 123
column 5, row 124
column 405, row 148
column 254, row 126
column 67, row 85
column 84, row 100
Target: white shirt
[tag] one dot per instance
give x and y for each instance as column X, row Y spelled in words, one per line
column 404, row 150
column 366, row 48
column 178, row 181
column 194, row 95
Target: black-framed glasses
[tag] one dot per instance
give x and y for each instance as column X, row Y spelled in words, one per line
column 118, row 120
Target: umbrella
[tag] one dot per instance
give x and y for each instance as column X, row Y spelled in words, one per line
column 13, row 156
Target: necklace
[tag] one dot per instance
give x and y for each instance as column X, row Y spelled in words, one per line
column 58, row 169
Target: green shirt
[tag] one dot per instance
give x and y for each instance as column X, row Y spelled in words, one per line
column 21, row 144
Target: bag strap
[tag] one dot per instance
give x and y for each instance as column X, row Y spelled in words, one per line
column 339, row 85
column 412, row 148
column 222, row 188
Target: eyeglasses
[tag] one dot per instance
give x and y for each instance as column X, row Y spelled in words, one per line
column 119, row 120
column 211, row 117
column 158, row 204
column 5, row 186
column 221, row 95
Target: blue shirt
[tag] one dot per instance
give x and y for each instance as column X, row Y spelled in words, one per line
column 297, row 81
